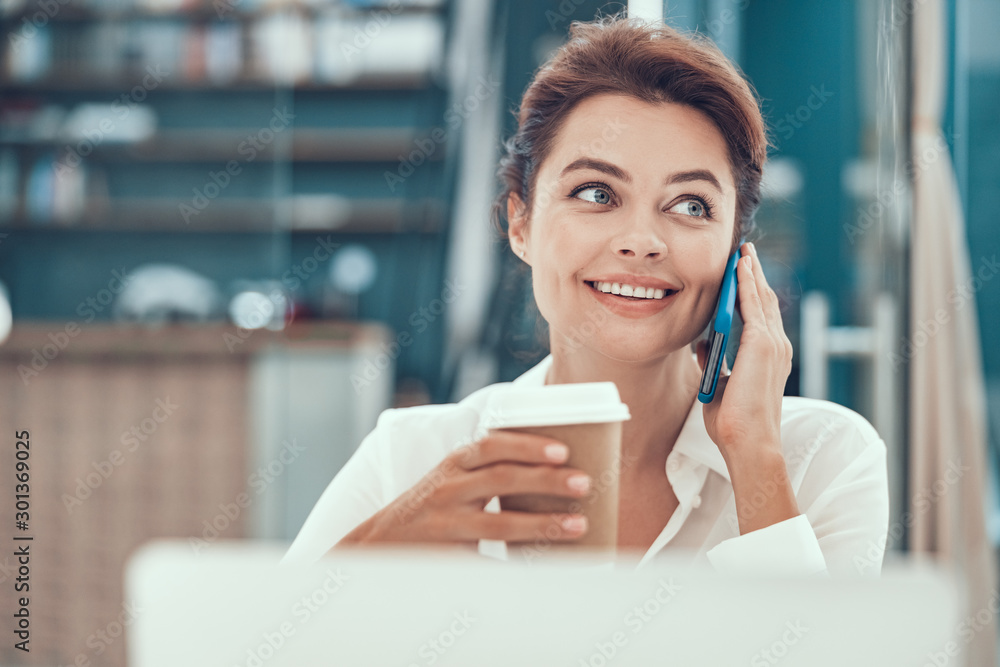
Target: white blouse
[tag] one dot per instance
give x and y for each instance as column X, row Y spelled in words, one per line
column 835, row 459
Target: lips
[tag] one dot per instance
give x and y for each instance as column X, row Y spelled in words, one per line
column 635, row 280
column 628, row 291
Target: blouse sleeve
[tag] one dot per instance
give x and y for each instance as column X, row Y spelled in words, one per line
column 356, row 493
column 841, row 532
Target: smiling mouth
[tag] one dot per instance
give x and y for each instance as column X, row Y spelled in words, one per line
column 666, row 293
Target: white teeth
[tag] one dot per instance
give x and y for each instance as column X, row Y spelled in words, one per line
column 629, row 290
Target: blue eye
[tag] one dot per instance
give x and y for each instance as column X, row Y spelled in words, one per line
column 694, row 208
column 601, row 195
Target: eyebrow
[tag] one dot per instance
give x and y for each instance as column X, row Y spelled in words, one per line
column 617, row 172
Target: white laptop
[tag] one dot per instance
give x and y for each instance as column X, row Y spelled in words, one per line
column 233, row 606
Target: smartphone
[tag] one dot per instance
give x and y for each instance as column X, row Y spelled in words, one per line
column 719, row 336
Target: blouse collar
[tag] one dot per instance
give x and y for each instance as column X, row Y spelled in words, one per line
column 693, row 440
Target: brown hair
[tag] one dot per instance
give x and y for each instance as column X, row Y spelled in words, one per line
column 653, row 63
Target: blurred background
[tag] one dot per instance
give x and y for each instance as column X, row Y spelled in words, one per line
column 232, row 232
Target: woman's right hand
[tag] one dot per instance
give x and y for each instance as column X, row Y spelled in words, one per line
column 446, row 505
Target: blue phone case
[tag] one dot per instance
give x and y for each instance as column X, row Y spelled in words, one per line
column 720, row 331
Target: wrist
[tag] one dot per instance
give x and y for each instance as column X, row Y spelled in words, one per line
column 763, row 492
column 754, row 455
column 364, row 533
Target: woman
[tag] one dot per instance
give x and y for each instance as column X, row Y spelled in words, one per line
column 634, row 172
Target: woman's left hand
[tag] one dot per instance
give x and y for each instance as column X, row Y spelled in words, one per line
column 745, row 414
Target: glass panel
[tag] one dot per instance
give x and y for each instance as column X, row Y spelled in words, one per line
column 976, row 144
column 215, row 216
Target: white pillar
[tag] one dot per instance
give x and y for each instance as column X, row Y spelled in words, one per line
column 651, row 10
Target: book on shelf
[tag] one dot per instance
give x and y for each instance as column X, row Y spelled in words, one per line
column 287, row 46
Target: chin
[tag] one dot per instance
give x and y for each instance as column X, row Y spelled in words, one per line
column 610, row 347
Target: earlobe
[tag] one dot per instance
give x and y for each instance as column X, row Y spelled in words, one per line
column 516, row 224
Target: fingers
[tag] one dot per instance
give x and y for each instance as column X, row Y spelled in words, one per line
column 503, row 479
column 501, row 445
column 514, row 527
column 750, row 304
column 771, row 310
column 769, row 299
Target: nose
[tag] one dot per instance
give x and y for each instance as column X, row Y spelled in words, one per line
column 652, row 254
column 642, row 239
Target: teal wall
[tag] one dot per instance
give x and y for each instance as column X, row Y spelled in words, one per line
column 790, row 50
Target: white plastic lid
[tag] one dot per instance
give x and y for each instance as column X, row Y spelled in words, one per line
column 555, row 405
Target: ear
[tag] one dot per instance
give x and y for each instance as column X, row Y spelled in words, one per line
column 517, row 224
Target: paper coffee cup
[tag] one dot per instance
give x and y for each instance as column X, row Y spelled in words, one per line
column 588, row 418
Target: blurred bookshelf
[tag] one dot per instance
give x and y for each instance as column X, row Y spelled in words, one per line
column 252, row 127
column 62, row 142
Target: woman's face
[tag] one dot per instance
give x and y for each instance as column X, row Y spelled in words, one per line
column 637, row 194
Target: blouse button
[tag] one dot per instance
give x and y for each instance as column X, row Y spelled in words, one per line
column 696, row 502
column 673, row 465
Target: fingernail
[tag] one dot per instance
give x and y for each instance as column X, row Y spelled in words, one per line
column 748, row 262
column 578, row 483
column 753, row 247
column 556, row 452
column 575, row 523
